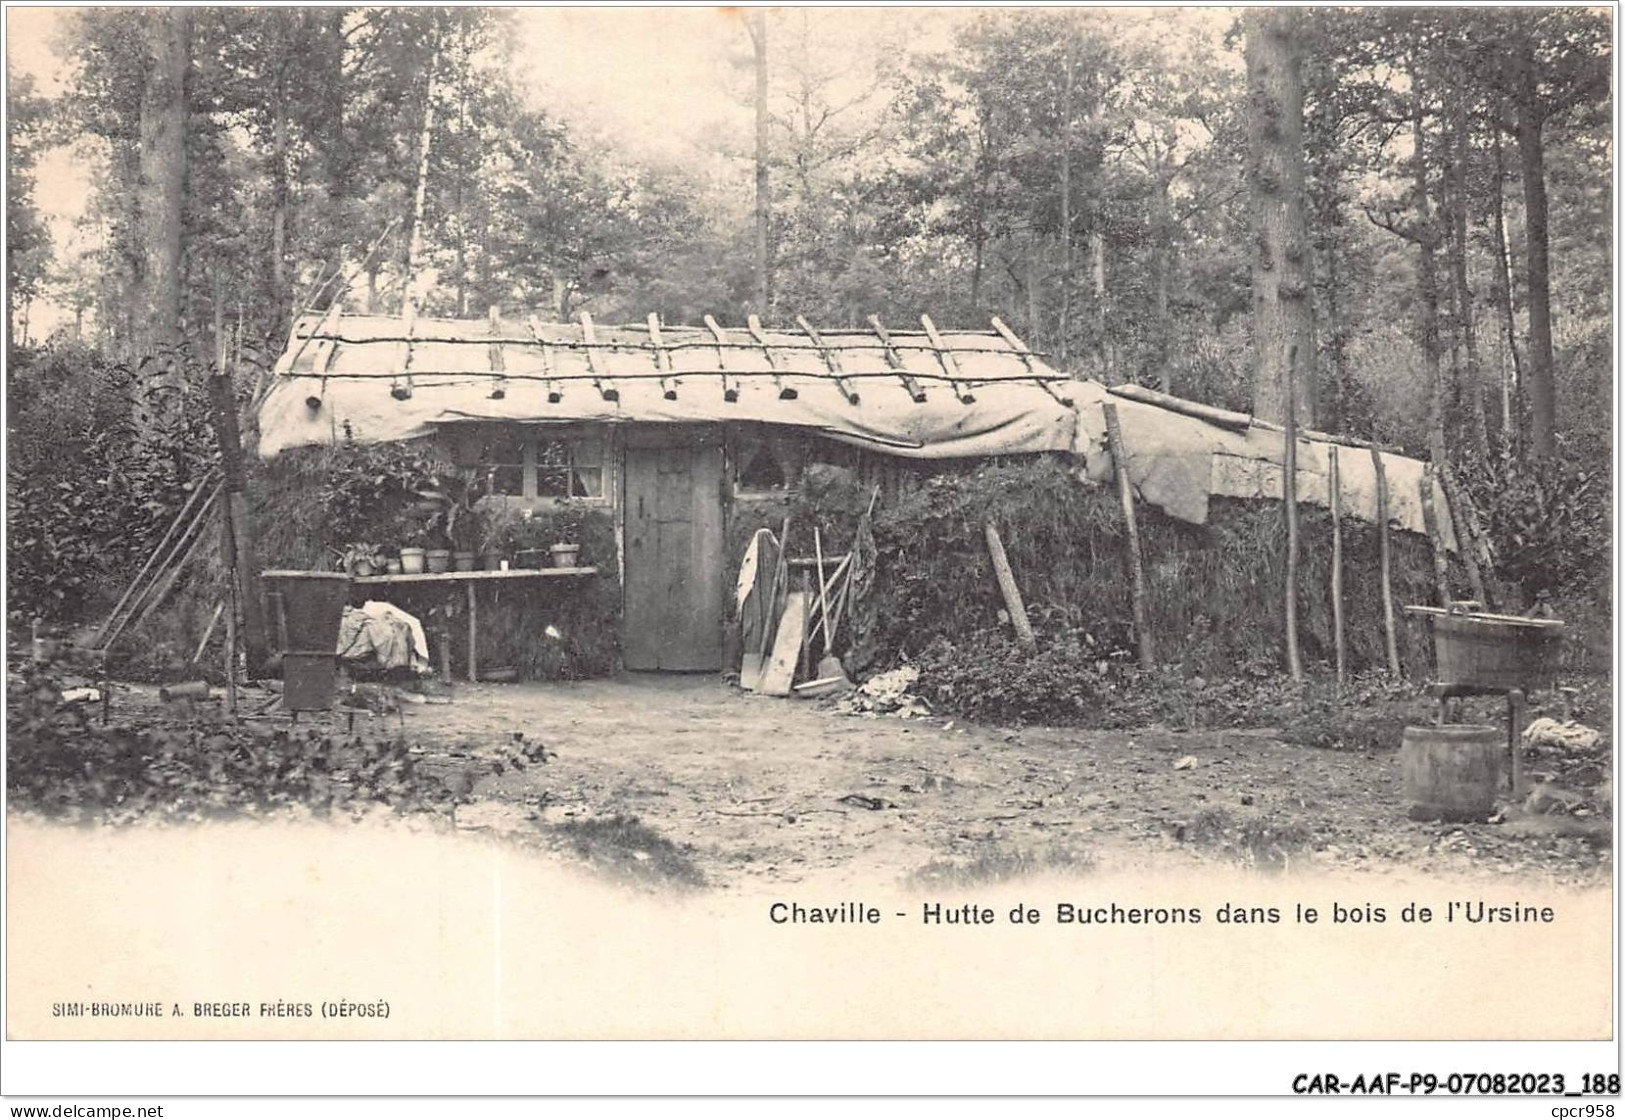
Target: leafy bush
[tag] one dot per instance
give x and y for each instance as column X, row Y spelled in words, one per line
column 62, row 764
column 992, row 678
column 89, row 490
column 1549, row 522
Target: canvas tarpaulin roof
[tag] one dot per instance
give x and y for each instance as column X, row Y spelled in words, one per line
column 921, row 394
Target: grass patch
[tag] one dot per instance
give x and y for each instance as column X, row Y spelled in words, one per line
column 999, row 865
column 628, row 849
column 1259, row 842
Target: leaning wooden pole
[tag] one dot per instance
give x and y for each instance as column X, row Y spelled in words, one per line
column 1334, row 485
column 1007, row 587
column 1385, row 552
column 1466, row 546
column 1289, row 501
column 1430, row 522
column 1125, row 494
column 240, row 541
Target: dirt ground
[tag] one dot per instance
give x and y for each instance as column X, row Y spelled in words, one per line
column 755, row 791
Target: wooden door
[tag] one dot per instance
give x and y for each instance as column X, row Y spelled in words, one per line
column 672, row 518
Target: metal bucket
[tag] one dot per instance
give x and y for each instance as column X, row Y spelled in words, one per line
column 1451, row 773
column 312, row 606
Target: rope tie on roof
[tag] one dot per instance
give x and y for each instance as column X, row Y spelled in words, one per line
column 896, row 362
column 730, row 385
column 668, row 385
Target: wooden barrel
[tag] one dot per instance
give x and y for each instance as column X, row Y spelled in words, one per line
column 1451, row 773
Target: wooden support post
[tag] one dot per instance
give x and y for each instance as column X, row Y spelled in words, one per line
column 895, row 360
column 1125, row 494
column 231, row 652
column 950, row 362
column 1385, row 553
column 1515, row 718
column 1026, row 357
column 473, row 635
column 1430, row 521
column 244, row 556
column 1334, row 485
column 831, row 359
column 1289, row 502
column 589, row 339
column 668, row 387
column 730, row 387
column 1007, row 587
column 754, row 325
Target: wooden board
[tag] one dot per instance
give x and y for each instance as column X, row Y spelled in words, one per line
column 781, row 666
column 674, row 556
column 755, row 619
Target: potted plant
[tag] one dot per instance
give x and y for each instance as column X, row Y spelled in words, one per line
column 361, row 559
column 498, row 525
column 448, row 500
column 467, row 534
column 564, row 555
column 531, row 538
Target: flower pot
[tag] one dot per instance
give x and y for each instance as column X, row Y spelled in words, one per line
column 463, row 561
column 412, row 561
column 393, row 565
column 492, row 561
column 564, row 555
column 361, row 567
column 437, row 560
column 529, row 558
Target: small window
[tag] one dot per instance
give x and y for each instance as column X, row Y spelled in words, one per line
column 569, row 468
column 514, row 461
column 499, row 456
column 766, row 464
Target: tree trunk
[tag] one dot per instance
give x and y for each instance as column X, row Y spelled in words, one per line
column 1539, row 384
column 1097, row 276
column 1512, row 377
column 1065, row 329
column 764, row 202
column 414, row 244
column 1472, row 374
column 1338, row 420
column 281, row 301
column 162, row 188
column 1427, row 278
column 1161, row 252
column 1283, row 313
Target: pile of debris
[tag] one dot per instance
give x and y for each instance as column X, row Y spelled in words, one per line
column 886, row 694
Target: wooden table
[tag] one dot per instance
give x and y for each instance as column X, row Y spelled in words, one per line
column 471, row 580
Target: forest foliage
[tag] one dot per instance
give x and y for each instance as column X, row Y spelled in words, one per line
column 1081, row 174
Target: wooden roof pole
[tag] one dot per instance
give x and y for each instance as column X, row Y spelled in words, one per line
column 896, row 362
column 754, row 324
column 498, row 363
column 555, row 391
column 730, row 389
column 949, row 361
column 668, row 387
column 831, row 359
column 397, row 390
column 590, row 337
column 1025, row 355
